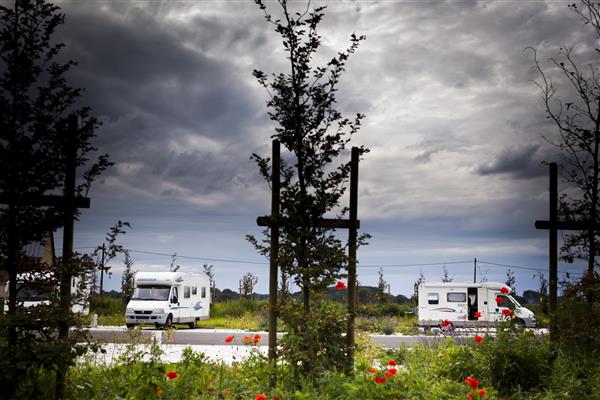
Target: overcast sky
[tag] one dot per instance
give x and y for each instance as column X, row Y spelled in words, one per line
column 453, row 120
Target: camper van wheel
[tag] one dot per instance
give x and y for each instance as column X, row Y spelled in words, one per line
column 130, row 326
column 192, row 325
column 168, row 322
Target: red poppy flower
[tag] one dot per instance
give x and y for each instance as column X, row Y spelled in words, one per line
column 472, row 382
column 379, row 380
column 392, row 363
column 372, row 371
column 275, row 397
column 504, row 290
column 158, row 391
column 391, row 372
column 226, row 392
column 478, row 314
column 247, row 339
column 482, row 392
column 499, row 299
column 470, row 395
column 261, row 397
column 228, row 339
column 479, row 339
column 256, row 338
column 340, row 286
column 507, row 313
column 171, row 374
column 445, row 324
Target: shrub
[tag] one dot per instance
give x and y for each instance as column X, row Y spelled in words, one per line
column 516, row 361
column 316, row 344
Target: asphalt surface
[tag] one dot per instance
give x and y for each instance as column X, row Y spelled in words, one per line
column 217, row 337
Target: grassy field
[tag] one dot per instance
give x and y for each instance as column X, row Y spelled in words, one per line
column 252, row 315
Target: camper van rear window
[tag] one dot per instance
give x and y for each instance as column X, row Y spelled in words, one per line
column 203, row 292
column 457, row 297
column 194, row 290
column 433, row 298
column 186, row 292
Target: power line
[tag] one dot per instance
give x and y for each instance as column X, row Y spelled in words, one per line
column 200, row 258
column 414, row 265
column 233, row 261
column 522, row 267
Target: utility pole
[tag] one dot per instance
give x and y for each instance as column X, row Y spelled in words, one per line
column 102, row 269
column 475, row 270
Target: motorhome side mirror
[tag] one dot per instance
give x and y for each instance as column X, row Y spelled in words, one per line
column 174, row 300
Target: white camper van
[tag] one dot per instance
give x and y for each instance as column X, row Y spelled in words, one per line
column 31, row 294
column 165, row 298
column 462, row 303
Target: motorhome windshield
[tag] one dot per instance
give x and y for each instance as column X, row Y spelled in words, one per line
column 151, row 292
column 514, row 301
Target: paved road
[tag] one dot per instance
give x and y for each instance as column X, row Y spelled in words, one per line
column 217, row 337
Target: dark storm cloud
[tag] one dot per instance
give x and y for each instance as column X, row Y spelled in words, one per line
column 177, row 119
column 521, row 163
column 453, row 121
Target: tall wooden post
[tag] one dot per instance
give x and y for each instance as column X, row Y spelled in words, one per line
column 553, row 248
column 352, row 238
column 273, row 261
column 67, row 253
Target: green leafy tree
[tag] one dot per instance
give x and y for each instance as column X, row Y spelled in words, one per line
column 35, row 101
column 315, row 134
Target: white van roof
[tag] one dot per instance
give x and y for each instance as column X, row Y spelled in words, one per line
column 489, row 285
column 164, row 278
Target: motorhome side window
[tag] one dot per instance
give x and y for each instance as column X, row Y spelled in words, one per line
column 457, row 297
column 203, row 292
column 186, row 292
column 433, row 298
column 194, row 290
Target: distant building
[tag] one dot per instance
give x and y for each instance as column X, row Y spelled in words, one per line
column 34, row 254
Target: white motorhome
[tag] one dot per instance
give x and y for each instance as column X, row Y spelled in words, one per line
column 164, row 298
column 31, row 291
column 462, row 303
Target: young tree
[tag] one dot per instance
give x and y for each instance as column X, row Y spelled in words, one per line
column 382, row 296
column 446, row 275
column 35, row 101
column 543, row 291
column 209, row 270
column 416, row 285
column 174, row 267
column 127, row 278
column 109, row 249
column 247, row 284
column 577, row 119
column 314, row 133
column 510, row 281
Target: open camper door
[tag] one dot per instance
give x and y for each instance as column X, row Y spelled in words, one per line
column 495, row 308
